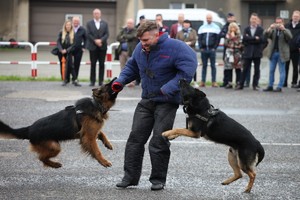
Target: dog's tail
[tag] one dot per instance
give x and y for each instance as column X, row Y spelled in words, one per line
column 261, row 153
column 7, row 132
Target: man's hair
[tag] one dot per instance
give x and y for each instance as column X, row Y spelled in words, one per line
column 278, row 17
column 145, row 27
column 254, row 14
column 158, row 15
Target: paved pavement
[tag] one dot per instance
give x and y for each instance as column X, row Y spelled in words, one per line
column 197, row 167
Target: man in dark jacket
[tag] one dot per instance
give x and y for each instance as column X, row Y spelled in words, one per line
column 161, row 62
column 128, row 41
column 294, row 27
column 80, row 45
column 254, row 41
column 97, row 34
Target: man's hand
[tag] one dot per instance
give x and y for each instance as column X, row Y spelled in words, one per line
column 98, row 42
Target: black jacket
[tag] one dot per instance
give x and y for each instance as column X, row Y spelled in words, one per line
column 80, row 39
column 93, row 33
column 296, row 33
column 253, row 48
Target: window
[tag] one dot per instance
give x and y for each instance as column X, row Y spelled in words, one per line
column 182, row 5
column 70, row 17
column 261, row 9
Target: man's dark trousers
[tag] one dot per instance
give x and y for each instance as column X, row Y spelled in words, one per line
column 149, row 116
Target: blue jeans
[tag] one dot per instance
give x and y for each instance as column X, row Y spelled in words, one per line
column 205, row 55
column 275, row 58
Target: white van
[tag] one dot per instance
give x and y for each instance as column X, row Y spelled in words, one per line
column 170, row 16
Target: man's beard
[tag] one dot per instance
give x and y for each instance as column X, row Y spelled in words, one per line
column 149, row 47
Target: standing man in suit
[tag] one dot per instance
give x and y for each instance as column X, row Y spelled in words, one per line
column 253, row 40
column 97, row 35
column 294, row 26
column 80, row 45
column 175, row 28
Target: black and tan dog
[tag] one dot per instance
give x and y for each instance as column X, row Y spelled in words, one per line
column 84, row 120
column 245, row 151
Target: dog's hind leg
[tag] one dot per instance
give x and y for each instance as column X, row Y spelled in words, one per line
column 47, row 150
column 252, row 174
column 172, row 134
column 88, row 141
column 234, row 163
column 105, row 141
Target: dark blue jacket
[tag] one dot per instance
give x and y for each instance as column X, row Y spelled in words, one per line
column 161, row 69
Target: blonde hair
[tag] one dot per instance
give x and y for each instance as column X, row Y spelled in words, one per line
column 64, row 32
column 236, row 26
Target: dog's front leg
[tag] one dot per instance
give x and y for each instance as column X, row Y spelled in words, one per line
column 89, row 144
column 172, row 134
column 105, row 141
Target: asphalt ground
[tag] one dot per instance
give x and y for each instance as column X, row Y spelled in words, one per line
column 197, row 166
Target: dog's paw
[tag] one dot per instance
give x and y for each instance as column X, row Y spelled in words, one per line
column 108, row 145
column 169, row 135
column 247, row 190
column 106, row 163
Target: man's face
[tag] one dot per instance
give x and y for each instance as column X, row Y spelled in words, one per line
column 130, row 24
column 209, row 19
column 296, row 17
column 149, row 39
column 76, row 22
column 97, row 14
column 279, row 21
column 253, row 20
column 158, row 19
column 180, row 18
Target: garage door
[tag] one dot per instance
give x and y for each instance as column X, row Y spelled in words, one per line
column 47, row 18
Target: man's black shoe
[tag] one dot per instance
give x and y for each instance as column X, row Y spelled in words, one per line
column 75, row 83
column 92, row 84
column 294, row 86
column 64, row 83
column 158, row 186
column 268, row 89
column 124, row 184
column 239, row 87
column 228, row 86
column 277, row 90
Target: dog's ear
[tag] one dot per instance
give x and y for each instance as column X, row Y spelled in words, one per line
column 200, row 93
column 111, row 82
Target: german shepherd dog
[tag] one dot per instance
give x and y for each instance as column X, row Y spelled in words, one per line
column 245, row 152
column 83, row 120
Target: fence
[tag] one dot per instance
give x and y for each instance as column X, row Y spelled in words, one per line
column 34, row 57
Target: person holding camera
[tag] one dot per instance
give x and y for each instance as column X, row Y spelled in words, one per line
column 279, row 52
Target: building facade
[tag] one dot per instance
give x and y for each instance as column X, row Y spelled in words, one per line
column 41, row 20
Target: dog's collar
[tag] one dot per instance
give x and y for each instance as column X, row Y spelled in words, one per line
column 211, row 112
column 99, row 106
